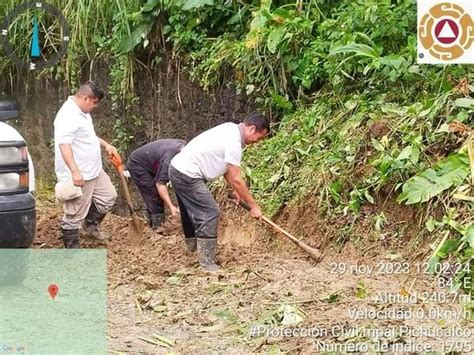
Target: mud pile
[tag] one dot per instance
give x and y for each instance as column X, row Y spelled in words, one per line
column 160, row 302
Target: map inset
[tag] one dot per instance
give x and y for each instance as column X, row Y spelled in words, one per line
column 53, row 301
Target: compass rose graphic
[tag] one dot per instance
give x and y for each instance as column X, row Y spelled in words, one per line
column 47, row 36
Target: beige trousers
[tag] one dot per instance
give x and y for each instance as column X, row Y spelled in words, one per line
column 99, row 191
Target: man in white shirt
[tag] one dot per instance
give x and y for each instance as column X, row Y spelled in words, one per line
column 213, row 153
column 78, row 162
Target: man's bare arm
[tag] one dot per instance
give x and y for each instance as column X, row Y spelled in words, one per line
column 163, row 192
column 109, row 148
column 234, row 177
column 68, row 157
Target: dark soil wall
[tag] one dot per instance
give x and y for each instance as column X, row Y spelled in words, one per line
column 171, row 107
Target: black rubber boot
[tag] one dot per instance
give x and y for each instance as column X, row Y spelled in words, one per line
column 91, row 225
column 206, row 250
column 70, row 238
column 191, row 244
column 155, row 220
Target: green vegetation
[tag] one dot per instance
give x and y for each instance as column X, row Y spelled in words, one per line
column 356, row 120
column 100, row 31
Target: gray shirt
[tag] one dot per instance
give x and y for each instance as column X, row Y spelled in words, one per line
column 155, row 157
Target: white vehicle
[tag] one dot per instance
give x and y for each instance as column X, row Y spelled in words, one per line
column 17, row 184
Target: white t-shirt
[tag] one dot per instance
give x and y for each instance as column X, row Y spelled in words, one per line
column 72, row 126
column 207, row 155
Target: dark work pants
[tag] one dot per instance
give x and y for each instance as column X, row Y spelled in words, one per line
column 199, row 211
column 145, row 183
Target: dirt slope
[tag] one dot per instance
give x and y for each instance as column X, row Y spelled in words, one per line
column 155, row 288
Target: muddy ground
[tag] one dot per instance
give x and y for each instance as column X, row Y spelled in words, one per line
column 160, row 302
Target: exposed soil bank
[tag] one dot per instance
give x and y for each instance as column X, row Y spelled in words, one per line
column 169, row 106
column 156, row 288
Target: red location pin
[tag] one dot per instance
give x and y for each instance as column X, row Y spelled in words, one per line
column 53, row 290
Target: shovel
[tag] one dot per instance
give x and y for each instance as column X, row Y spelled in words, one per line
column 136, row 229
column 314, row 253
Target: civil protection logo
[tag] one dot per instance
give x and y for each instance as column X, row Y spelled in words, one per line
column 445, row 32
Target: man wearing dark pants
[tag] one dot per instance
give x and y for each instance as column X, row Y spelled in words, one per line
column 213, row 153
column 148, row 167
